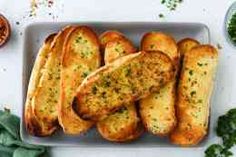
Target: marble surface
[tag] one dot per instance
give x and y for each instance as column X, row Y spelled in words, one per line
column 209, row 12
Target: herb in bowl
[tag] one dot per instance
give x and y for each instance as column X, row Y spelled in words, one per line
column 231, row 28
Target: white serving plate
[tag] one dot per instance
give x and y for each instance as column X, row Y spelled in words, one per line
column 34, row 36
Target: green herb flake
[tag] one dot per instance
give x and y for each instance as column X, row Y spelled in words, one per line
column 161, row 15
column 191, row 72
column 199, row 64
column 193, row 93
column 171, row 4
column 199, row 101
column 85, row 74
column 94, row 90
column 218, row 45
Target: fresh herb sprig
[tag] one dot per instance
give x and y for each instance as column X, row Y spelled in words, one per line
column 226, row 129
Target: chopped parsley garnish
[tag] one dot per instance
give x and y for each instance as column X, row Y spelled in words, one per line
column 200, row 101
column 94, row 89
column 127, row 71
column 191, row 72
column 161, row 15
column 85, row 74
column 199, row 64
column 152, row 46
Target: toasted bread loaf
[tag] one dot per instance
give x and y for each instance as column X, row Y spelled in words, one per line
column 186, row 44
column 80, row 57
column 125, row 80
column 158, row 109
column 34, row 126
column 194, row 93
column 123, row 125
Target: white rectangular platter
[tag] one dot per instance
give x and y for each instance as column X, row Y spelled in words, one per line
column 34, row 36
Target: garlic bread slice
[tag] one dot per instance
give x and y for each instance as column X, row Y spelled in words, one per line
column 81, row 56
column 158, row 109
column 123, row 125
column 194, row 93
column 46, row 96
column 34, row 126
column 125, row 80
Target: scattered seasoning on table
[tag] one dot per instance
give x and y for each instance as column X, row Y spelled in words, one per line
column 161, row 15
column 33, row 8
column 171, row 4
column 218, row 45
column 36, row 4
column 4, row 69
column 232, row 28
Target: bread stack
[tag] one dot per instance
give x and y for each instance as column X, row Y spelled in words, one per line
column 80, row 80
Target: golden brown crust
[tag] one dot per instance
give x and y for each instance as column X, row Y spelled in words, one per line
column 158, row 109
column 46, row 95
column 118, row 48
column 165, row 43
column 186, row 44
column 108, row 36
column 33, row 125
column 129, row 77
column 194, row 92
column 120, row 126
column 80, row 57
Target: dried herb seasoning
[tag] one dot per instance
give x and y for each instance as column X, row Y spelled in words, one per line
column 171, row 4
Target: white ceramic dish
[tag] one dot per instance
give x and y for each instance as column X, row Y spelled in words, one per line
column 34, row 36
